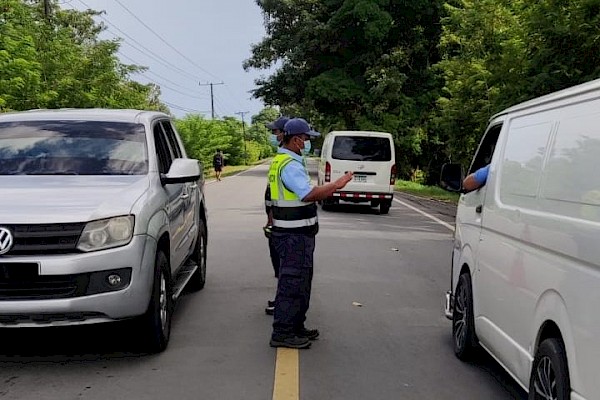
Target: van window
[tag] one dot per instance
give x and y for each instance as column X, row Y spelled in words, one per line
column 522, row 164
column 486, row 148
column 361, row 148
column 571, row 174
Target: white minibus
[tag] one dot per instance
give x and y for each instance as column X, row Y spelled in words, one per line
column 525, row 274
column 372, row 158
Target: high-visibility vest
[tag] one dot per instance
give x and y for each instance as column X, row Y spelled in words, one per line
column 290, row 213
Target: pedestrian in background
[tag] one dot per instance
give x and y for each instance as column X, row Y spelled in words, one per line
column 218, row 162
column 295, row 226
column 275, row 139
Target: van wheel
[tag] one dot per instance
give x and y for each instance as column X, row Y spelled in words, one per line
column 384, row 207
column 463, row 323
column 198, row 280
column 374, row 203
column 550, row 372
column 155, row 324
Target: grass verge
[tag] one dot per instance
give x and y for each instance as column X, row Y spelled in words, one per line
column 431, row 192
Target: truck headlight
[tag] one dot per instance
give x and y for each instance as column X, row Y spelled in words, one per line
column 106, row 233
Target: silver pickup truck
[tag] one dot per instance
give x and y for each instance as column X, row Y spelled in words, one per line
column 102, row 218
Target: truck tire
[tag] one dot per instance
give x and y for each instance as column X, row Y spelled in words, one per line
column 155, row 324
column 198, row 280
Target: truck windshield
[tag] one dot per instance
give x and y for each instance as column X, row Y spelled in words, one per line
column 361, row 148
column 72, row 148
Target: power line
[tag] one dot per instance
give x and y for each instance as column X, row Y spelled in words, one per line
column 155, row 58
column 162, row 77
column 172, row 105
column 171, row 65
column 181, row 108
column 164, row 41
column 147, row 52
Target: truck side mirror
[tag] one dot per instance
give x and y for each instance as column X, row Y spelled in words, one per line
column 182, row 170
column 451, row 177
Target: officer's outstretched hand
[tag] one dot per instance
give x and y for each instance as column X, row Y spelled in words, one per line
column 343, row 180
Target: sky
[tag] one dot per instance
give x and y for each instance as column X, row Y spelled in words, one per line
column 186, row 45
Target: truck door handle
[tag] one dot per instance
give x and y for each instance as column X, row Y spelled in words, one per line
column 478, row 209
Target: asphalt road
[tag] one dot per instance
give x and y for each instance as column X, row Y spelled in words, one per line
column 377, row 300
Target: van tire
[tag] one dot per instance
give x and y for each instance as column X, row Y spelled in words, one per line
column 550, row 362
column 463, row 323
column 155, row 325
column 384, row 207
column 198, row 257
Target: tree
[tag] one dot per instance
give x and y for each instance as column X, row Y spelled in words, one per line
column 58, row 61
column 353, row 64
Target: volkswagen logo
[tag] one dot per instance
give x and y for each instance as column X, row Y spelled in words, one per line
column 6, row 240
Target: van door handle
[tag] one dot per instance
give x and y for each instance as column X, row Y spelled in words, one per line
column 479, row 209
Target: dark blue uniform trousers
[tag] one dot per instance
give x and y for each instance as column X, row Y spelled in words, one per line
column 295, row 280
column 274, row 257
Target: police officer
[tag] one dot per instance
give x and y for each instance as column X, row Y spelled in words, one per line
column 276, row 128
column 294, row 228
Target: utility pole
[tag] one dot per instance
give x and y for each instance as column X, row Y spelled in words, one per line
column 47, row 8
column 212, row 101
column 242, row 113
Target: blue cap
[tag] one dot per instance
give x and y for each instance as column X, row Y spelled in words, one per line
column 279, row 123
column 298, row 126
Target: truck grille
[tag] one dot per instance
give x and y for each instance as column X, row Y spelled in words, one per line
column 45, row 238
column 21, row 281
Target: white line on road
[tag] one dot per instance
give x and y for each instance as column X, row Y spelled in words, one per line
column 439, row 221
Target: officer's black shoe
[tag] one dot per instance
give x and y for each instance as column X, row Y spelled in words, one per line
column 292, row 342
column 311, row 334
column 270, row 310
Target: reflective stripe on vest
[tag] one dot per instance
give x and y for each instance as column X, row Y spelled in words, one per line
column 289, row 211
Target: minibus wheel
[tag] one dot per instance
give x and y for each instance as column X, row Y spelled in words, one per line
column 384, row 207
column 550, row 372
column 463, row 324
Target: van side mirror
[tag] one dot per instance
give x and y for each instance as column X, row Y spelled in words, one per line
column 452, row 177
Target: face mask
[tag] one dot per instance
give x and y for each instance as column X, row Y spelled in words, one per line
column 273, row 140
column 307, row 147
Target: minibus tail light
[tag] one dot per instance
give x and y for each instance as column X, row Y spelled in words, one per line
column 327, row 172
column 393, row 175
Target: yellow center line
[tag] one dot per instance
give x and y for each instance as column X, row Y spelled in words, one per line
column 287, row 375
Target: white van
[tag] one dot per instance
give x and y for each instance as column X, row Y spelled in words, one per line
column 371, row 156
column 526, row 260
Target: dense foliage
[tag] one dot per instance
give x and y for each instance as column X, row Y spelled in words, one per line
column 430, row 72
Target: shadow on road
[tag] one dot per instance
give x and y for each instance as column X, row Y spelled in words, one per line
column 350, row 208
column 486, row 366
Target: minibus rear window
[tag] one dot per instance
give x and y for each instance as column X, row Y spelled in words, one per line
column 361, row 148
